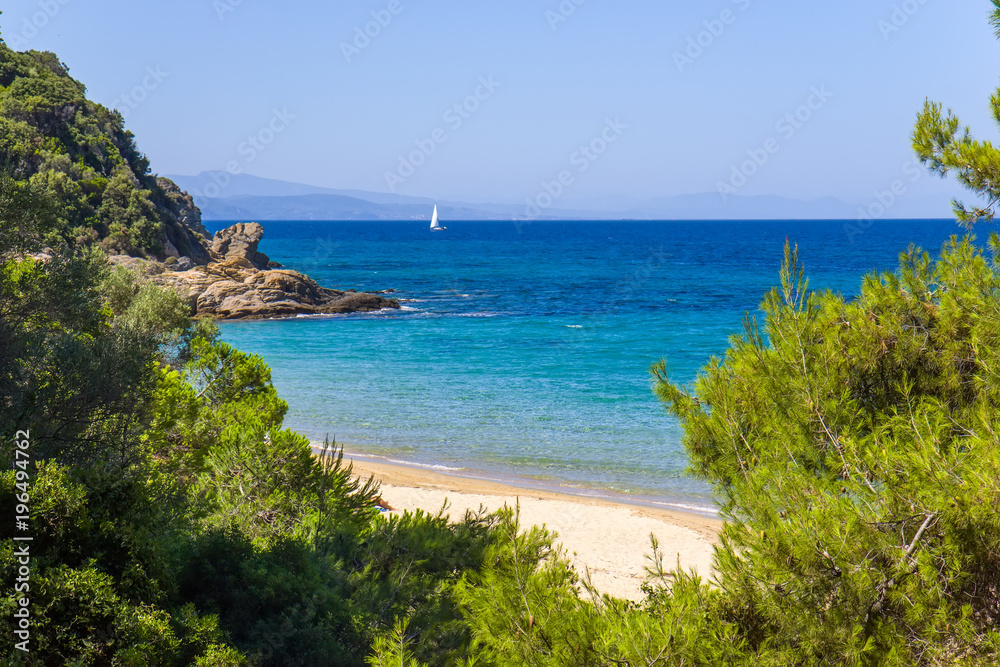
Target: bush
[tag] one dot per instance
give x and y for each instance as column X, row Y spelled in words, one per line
column 855, row 448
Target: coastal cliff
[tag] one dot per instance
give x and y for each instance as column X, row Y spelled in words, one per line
column 92, row 186
column 240, row 282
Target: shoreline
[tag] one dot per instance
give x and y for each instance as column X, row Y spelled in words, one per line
column 680, row 504
column 466, row 480
column 609, row 539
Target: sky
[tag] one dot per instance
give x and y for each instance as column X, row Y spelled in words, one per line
column 497, row 100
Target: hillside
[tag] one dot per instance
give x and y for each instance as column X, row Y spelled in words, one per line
column 77, row 156
column 78, row 166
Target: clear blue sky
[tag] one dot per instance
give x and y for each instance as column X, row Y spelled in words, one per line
column 226, row 65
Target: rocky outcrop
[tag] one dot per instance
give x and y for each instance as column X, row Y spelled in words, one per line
column 238, row 285
column 142, row 266
column 184, row 233
column 183, row 207
column 239, row 242
column 237, row 290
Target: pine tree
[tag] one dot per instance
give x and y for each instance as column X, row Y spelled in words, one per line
column 854, row 445
column 944, row 145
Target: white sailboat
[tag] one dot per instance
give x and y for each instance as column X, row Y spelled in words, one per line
column 435, row 225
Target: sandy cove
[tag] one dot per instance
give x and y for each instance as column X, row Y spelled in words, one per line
column 610, row 539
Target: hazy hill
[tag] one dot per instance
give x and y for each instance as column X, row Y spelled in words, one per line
column 222, row 196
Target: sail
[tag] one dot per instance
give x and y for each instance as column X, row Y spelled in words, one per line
column 434, row 219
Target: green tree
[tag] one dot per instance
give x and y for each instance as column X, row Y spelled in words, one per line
column 80, row 346
column 854, row 447
column 945, row 146
column 80, row 157
column 130, row 216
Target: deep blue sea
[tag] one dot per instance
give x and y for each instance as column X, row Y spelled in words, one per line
column 523, row 351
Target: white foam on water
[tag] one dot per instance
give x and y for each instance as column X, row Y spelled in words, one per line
column 700, row 509
column 317, row 447
column 427, row 466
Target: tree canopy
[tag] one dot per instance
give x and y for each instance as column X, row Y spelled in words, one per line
column 945, row 146
column 77, row 156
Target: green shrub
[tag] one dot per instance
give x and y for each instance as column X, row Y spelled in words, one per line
column 854, row 446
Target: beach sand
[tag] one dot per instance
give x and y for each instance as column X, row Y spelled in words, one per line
column 609, row 539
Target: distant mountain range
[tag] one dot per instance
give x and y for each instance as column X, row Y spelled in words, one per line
column 222, row 196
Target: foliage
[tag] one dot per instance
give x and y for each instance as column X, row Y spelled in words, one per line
column 24, row 214
column 527, row 606
column 945, row 146
column 78, row 157
column 854, row 445
column 393, row 649
column 175, row 520
column 411, row 566
column 79, row 351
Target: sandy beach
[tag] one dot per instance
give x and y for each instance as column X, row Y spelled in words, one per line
column 610, row 540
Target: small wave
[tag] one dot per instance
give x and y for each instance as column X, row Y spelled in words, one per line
column 574, row 326
column 426, row 466
column 331, row 316
column 419, row 313
column 701, row 509
column 317, row 446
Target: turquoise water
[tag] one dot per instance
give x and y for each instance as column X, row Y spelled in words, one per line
column 523, row 353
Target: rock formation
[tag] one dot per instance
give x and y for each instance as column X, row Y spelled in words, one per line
column 240, row 242
column 239, row 284
column 182, row 205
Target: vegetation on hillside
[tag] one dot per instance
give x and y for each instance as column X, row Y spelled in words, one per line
column 174, row 520
column 80, row 160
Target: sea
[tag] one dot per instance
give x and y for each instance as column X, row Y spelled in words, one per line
column 522, row 350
